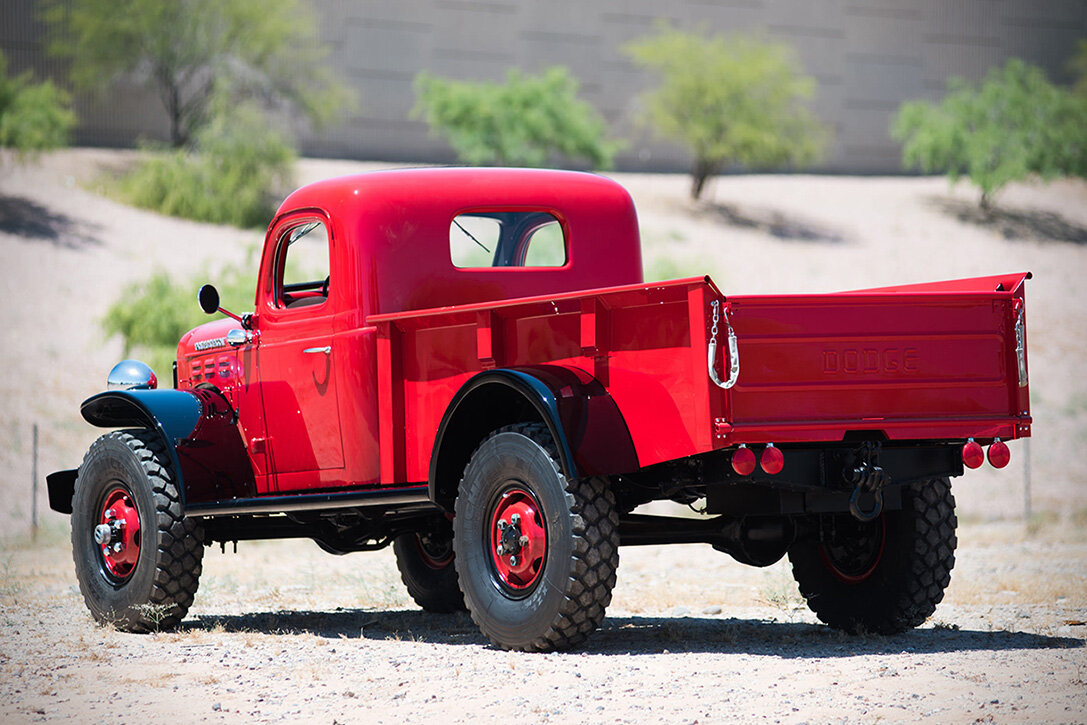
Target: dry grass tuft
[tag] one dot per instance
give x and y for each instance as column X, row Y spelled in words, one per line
column 780, row 590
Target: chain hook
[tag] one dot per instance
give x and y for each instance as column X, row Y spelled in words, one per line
column 733, row 349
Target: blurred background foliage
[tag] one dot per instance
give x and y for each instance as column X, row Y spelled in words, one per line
column 152, row 315
column 189, row 52
column 734, row 101
column 1013, row 125
column 34, row 117
column 232, row 75
column 235, row 171
column 529, row 120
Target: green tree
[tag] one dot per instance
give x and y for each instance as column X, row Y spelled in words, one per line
column 1012, row 125
column 33, row 116
column 189, row 50
column 234, row 171
column 523, row 122
column 730, row 100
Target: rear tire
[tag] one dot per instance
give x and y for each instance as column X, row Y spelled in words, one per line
column 887, row 575
column 427, row 569
column 548, row 590
column 142, row 571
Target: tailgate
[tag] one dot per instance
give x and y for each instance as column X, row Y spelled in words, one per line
column 932, row 361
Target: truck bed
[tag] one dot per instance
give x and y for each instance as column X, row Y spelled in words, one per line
column 936, row 361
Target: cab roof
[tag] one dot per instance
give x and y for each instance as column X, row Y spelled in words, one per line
column 397, row 224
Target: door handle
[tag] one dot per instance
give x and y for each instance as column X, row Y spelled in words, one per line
column 327, row 350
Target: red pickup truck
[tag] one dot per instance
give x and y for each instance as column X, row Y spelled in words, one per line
column 467, row 364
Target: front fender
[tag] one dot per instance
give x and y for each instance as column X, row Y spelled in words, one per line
column 173, row 413
column 198, row 429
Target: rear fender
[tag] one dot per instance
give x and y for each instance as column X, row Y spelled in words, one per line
column 586, row 425
column 198, row 428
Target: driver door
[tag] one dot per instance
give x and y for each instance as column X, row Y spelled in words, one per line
column 297, row 357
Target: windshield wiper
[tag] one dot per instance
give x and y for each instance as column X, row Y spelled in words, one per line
column 471, row 237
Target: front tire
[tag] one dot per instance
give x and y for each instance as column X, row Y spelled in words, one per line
column 883, row 576
column 137, row 557
column 536, row 552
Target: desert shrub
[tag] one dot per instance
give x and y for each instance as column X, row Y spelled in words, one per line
column 731, row 100
column 33, row 116
column 236, row 171
column 525, row 121
column 1012, row 125
column 153, row 314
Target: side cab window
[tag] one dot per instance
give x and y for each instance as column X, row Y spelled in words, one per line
column 301, row 270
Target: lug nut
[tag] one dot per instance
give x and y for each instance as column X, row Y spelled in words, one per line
column 501, row 549
column 515, row 519
column 523, row 541
column 513, row 561
column 502, row 524
column 118, row 547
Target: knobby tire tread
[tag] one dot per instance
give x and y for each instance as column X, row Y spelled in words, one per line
column 435, row 590
column 595, row 527
column 179, row 540
column 913, row 588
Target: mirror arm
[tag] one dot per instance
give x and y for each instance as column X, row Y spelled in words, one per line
column 243, row 319
column 208, row 297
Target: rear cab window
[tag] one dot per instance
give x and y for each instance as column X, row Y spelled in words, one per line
column 482, row 239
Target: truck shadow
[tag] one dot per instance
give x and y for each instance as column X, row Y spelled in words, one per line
column 638, row 635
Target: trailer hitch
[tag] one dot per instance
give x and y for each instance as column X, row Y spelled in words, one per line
column 866, row 477
column 733, row 350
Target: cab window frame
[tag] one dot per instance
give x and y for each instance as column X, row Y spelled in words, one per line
column 281, row 287
column 516, row 230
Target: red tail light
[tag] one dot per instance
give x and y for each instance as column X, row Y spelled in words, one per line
column 999, row 455
column 972, row 454
column 743, row 461
column 773, row 460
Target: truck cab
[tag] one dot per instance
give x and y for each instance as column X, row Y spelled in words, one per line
column 304, row 377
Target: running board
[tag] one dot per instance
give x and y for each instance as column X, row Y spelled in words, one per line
column 415, row 496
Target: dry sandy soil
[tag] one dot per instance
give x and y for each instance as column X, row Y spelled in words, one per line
column 282, row 631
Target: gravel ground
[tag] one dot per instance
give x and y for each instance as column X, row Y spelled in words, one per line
column 282, row 631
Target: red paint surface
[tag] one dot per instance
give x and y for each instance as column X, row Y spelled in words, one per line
column 520, row 569
column 119, row 510
column 406, row 329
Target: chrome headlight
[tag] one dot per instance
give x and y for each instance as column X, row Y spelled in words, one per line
column 129, row 374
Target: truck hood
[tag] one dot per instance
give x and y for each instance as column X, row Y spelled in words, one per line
column 208, row 337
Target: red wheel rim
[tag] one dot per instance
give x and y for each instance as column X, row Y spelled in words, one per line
column 856, row 561
column 517, row 540
column 437, row 556
column 117, row 534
